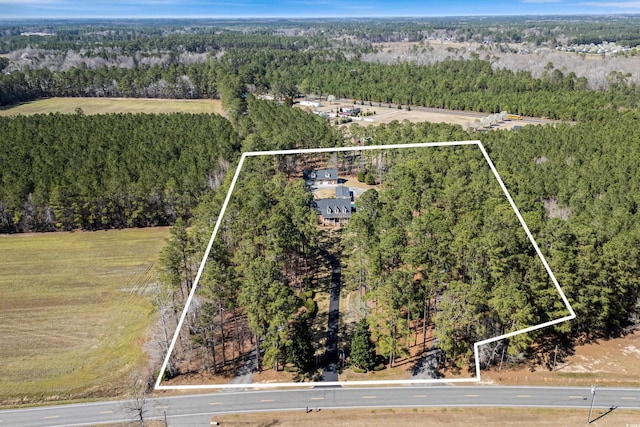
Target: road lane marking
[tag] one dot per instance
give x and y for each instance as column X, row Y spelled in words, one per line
column 50, row 417
column 106, row 412
column 419, row 395
column 575, row 397
column 471, row 395
column 215, row 403
column 628, row 398
column 266, row 400
column 162, row 407
column 317, row 398
column 368, row 397
column 523, row 395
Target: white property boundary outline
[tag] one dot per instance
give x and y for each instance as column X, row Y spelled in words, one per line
column 476, row 346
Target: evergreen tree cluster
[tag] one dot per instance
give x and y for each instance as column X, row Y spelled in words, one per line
column 440, row 243
column 64, row 172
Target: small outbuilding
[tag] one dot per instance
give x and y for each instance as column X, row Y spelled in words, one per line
column 343, row 192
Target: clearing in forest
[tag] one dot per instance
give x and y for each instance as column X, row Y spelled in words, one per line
column 431, row 253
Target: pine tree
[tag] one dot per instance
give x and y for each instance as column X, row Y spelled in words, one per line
column 301, row 351
column 363, row 350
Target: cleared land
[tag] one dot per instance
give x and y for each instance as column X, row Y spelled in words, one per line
column 432, row 417
column 614, row 362
column 76, row 310
column 383, row 113
column 114, row 105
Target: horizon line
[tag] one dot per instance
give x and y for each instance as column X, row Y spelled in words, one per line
column 307, row 17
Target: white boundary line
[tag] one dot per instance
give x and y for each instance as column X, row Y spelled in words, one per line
column 476, row 346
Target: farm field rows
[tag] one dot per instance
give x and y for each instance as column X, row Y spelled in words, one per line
column 76, row 310
column 113, row 105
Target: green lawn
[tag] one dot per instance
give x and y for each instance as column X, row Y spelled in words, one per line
column 76, row 310
column 113, row 105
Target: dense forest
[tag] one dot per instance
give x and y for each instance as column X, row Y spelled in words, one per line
column 440, row 243
column 437, row 236
column 439, row 219
column 256, row 286
column 64, row 172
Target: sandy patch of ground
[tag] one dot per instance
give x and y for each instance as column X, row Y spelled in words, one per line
column 613, row 362
column 375, row 113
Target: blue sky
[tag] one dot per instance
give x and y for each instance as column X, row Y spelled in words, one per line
column 11, row 9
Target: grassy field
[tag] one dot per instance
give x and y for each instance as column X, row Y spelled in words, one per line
column 113, row 105
column 486, row 417
column 75, row 312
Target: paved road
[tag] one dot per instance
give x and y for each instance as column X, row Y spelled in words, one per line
column 197, row 410
column 330, row 370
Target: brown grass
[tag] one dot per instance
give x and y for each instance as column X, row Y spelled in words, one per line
column 75, row 312
column 613, row 362
column 114, row 105
column 485, row 417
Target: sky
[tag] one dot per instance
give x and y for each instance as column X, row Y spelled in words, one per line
column 17, row 9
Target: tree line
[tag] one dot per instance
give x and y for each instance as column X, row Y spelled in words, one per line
column 64, row 172
column 457, row 84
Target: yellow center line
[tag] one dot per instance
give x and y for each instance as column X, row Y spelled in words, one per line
column 575, row 397
column 317, row 398
column 51, row 417
column 471, row 395
column 266, row 400
column 628, row 398
column 523, row 395
column 215, row 403
column 106, row 412
column 368, row 397
column 419, row 395
column 162, row 407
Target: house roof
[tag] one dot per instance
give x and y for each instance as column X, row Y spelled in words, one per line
column 342, row 192
column 320, row 174
column 333, row 208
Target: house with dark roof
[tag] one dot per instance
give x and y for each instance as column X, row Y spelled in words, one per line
column 321, row 176
column 343, row 192
column 334, row 212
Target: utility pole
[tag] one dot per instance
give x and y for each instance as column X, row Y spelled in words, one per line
column 593, row 397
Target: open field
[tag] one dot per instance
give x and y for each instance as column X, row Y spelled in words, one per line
column 432, row 417
column 613, row 363
column 114, row 105
column 75, row 312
